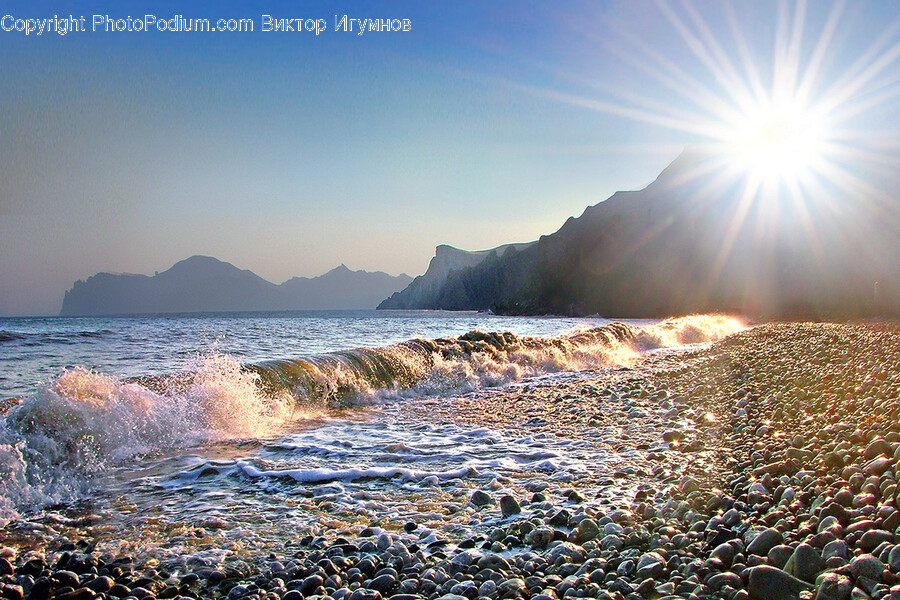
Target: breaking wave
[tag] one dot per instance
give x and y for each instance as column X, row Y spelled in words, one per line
column 53, row 442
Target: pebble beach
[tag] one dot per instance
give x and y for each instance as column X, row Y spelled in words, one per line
column 763, row 466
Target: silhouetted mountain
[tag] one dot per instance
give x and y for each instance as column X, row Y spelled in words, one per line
column 424, row 289
column 342, row 288
column 205, row 284
column 695, row 241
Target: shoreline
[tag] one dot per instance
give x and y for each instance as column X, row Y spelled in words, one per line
column 761, row 467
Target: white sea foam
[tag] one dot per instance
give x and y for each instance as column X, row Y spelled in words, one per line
column 53, row 441
column 83, row 422
column 352, row 474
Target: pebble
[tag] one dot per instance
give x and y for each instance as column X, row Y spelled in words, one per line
column 866, row 565
column 805, row 563
column 764, row 541
column 509, row 506
column 480, row 498
column 769, row 583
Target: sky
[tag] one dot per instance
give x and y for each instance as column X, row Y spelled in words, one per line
column 288, row 153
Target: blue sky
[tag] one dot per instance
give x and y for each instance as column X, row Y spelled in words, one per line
column 289, row 153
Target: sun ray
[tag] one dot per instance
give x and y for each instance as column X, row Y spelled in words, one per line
column 752, row 71
column 863, row 70
column 814, row 65
column 697, row 126
column 698, row 48
column 678, row 80
column 791, row 73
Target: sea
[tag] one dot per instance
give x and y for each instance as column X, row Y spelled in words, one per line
column 201, row 437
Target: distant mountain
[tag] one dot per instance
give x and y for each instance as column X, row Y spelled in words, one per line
column 206, row 284
column 424, row 290
column 692, row 241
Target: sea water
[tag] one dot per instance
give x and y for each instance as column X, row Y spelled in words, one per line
column 205, row 436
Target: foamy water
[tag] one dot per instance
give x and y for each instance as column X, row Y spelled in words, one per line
column 219, row 448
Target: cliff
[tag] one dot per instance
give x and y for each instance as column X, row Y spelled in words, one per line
column 694, row 241
column 425, row 290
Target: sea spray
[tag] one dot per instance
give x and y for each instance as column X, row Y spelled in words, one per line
column 54, row 441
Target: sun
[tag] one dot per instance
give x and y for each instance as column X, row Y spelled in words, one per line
column 774, row 143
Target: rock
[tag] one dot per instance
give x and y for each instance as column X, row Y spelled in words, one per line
column 866, row 565
column 100, row 584
column 495, row 562
column 570, row 551
column 672, row 435
column 828, row 523
column 869, row 586
column 5, row 567
column 719, row 580
column 384, row 541
column 587, row 530
column 877, row 447
column 769, row 583
column 626, row 568
column 731, row 517
column 860, row 526
column 765, row 541
column 364, row 594
column 560, row 518
column 509, row 506
column 724, row 552
column 383, row 583
column 480, row 498
column 487, row 588
column 650, row 565
column 238, row 591
column 11, row 592
column 118, row 591
column 805, row 563
column 540, row 537
column 878, row 466
column 832, row 586
column 611, row 542
column 464, row 559
column 836, row 548
column 894, row 559
column 311, row 584
column 757, row 493
column 838, row 511
column 79, row 594
column 511, row 588
column 873, row 538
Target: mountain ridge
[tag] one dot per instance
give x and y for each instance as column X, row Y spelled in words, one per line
column 691, row 242
column 206, row 284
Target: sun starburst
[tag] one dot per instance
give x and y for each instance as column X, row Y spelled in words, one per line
column 786, row 119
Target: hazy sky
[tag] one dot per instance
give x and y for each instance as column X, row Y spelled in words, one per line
column 288, row 153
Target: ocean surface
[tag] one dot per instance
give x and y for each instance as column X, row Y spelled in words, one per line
column 199, row 437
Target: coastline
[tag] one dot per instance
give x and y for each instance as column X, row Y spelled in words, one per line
column 763, row 466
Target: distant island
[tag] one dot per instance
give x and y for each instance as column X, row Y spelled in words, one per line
column 689, row 242
column 206, row 284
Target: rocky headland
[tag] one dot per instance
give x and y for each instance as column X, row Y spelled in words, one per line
column 696, row 241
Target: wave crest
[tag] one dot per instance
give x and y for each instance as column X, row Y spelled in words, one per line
column 52, row 442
